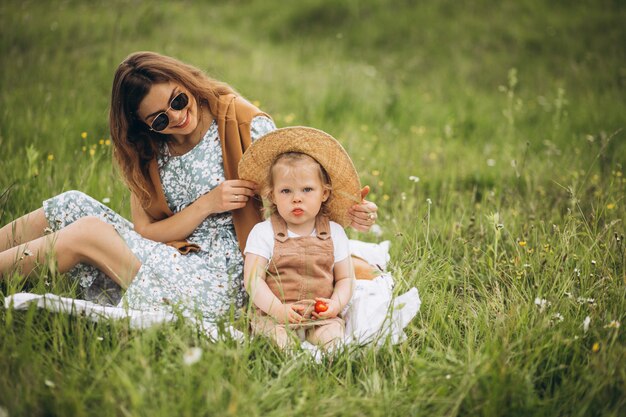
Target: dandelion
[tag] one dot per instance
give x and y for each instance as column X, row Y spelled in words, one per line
column 106, row 200
column 107, row 142
column 491, row 162
column 92, row 152
column 613, row 325
column 610, row 206
column 101, row 142
column 375, row 172
column 192, row 356
column 50, row 157
column 386, row 197
column 596, row 347
column 586, row 323
column 522, row 243
column 414, row 179
column 83, row 135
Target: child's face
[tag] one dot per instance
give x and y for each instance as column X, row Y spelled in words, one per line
column 298, row 194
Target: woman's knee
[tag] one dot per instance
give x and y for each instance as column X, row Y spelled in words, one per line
column 80, row 236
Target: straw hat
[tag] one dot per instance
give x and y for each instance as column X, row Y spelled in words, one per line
column 346, row 188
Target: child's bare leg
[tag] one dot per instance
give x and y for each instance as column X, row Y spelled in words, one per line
column 28, row 227
column 327, row 336
column 87, row 240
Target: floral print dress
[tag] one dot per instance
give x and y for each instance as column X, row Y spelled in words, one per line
column 208, row 282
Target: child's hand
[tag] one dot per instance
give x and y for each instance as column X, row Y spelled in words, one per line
column 287, row 313
column 333, row 309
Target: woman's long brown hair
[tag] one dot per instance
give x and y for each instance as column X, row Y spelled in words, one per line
column 134, row 144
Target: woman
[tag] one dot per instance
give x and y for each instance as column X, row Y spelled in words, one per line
column 178, row 136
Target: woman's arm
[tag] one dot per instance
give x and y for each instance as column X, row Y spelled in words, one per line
column 363, row 215
column 229, row 195
column 260, row 293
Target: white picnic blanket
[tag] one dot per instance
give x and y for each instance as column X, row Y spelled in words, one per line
column 372, row 316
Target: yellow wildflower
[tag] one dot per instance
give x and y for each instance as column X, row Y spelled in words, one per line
column 92, row 152
column 101, row 142
column 596, row 347
column 386, row 197
column 375, row 172
column 256, row 103
column 84, row 149
column 610, row 206
column 50, row 157
column 522, row 243
column 83, row 135
column 107, row 142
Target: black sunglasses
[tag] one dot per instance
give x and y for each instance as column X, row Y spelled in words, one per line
column 161, row 121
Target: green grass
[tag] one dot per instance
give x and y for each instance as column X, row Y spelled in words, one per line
column 510, row 114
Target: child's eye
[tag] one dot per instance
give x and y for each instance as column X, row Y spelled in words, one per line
column 285, row 191
column 307, row 189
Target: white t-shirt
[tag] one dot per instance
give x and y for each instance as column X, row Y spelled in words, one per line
column 261, row 240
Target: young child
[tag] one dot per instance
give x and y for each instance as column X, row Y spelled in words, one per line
column 297, row 267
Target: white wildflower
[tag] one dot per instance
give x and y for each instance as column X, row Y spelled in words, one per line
column 583, row 300
column 491, row 162
column 49, row 383
column 376, row 230
column 448, row 376
column 542, row 303
column 414, row 179
column 192, row 356
column 586, row 323
column 106, row 200
column 613, row 325
column 557, row 317
column 429, row 201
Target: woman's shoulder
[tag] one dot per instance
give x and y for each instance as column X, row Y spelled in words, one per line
column 261, row 125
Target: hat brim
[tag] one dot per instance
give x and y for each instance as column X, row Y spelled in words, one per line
column 346, row 188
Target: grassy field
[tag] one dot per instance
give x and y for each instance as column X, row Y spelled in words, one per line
column 492, row 134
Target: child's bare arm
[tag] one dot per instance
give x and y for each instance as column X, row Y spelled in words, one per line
column 344, row 285
column 260, row 293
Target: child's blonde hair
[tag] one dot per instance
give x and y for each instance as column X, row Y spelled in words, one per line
column 291, row 159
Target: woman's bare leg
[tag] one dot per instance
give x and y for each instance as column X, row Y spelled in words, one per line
column 24, row 229
column 87, row 240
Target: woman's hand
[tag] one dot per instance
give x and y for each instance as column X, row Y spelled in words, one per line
column 363, row 215
column 333, row 309
column 287, row 313
column 229, row 195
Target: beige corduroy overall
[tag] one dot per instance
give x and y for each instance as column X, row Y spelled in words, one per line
column 300, row 270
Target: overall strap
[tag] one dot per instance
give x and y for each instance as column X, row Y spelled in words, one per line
column 280, row 228
column 322, row 227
